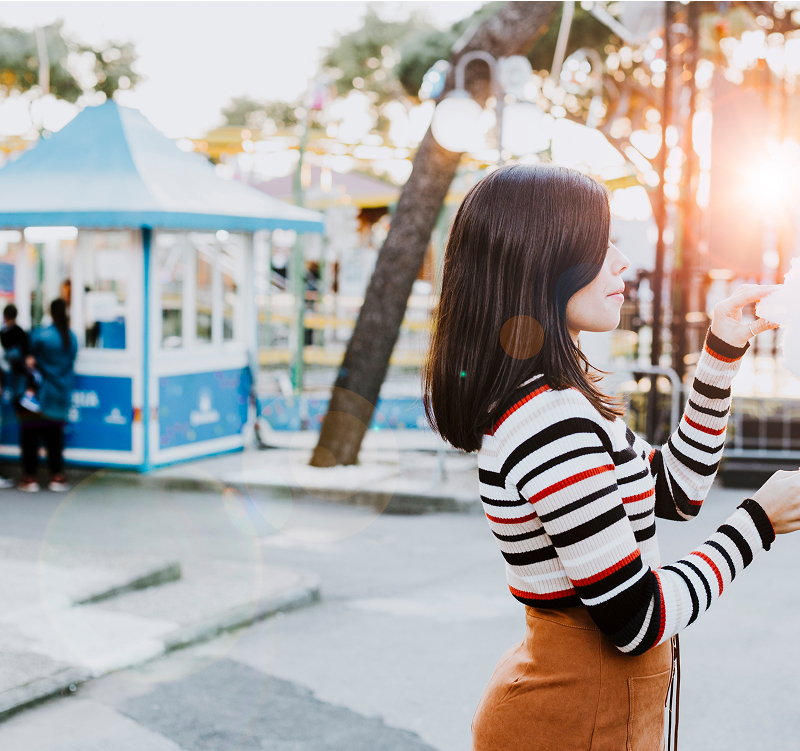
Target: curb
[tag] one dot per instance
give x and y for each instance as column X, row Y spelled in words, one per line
column 20, row 697
column 399, row 502
column 168, row 572
column 68, row 679
column 307, row 593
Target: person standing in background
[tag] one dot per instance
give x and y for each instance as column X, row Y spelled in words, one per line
column 15, row 379
column 53, row 351
column 16, row 340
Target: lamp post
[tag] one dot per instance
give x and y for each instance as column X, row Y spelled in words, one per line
column 315, row 100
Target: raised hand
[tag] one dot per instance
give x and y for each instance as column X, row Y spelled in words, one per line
column 727, row 321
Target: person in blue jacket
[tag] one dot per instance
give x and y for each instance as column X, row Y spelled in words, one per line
column 53, row 352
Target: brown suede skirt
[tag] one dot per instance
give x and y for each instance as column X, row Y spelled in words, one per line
column 566, row 687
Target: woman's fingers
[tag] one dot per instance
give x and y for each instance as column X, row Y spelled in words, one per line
column 760, row 325
column 746, row 294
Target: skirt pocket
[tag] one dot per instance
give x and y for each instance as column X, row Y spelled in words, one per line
column 647, row 695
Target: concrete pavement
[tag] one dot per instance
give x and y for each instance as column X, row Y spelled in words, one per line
column 78, row 603
column 414, row 615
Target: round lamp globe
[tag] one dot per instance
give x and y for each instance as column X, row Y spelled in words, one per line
column 456, row 124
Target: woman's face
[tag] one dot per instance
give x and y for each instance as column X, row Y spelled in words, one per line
column 596, row 307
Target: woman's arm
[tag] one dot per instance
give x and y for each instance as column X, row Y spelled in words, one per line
column 685, row 468
column 576, row 498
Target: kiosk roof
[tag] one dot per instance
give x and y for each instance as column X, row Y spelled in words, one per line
column 110, row 167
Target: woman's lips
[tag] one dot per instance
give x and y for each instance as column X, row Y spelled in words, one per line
column 618, row 296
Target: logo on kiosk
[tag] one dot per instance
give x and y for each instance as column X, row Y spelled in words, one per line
column 205, row 414
column 115, row 417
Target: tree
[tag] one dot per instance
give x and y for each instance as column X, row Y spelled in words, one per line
column 74, row 68
column 509, row 31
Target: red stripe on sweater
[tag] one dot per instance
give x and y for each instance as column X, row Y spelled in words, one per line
column 517, row 406
column 567, row 481
column 663, row 621
column 713, row 567
column 542, row 597
column 710, row 431
column 720, row 357
column 610, row 570
column 639, row 497
column 515, row 520
column 652, row 454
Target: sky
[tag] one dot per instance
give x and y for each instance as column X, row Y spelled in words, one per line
column 195, row 55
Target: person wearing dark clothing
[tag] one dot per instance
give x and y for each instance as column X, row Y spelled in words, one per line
column 15, row 339
column 53, row 350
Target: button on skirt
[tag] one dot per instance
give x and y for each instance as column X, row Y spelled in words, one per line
column 566, row 687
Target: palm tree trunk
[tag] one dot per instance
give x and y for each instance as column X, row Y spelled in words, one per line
column 510, row 31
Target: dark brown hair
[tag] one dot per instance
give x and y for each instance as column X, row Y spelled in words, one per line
column 58, row 312
column 525, row 239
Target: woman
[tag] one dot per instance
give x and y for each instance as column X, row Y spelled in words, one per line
column 53, row 352
column 570, row 493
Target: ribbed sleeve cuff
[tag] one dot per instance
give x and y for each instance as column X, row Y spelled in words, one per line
column 761, row 520
column 723, row 350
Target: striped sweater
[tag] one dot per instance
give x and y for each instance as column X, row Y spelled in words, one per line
column 572, row 500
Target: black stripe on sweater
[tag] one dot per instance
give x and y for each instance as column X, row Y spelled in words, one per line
column 724, row 553
column 704, row 470
column 707, row 410
column 622, row 617
column 600, row 587
column 710, row 392
column 580, row 503
column 666, row 507
column 529, row 557
column 692, row 593
column 723, row 348
column 632, row 478
column 519, row 538
column 504, row 504
column 645, row 534
column 679, row 497
column 699, row 446
column 624, row 456
column 702, row 579
column 651, row 635
column 587, row 529
column 738, row 539
column 556, row 460
column 557, row 603
column 487, row 477
column 551, row 433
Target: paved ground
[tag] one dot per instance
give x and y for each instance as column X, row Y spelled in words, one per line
column 413, row 618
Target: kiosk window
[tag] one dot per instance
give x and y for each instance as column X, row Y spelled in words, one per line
column 171, row 275
column 230, row 261
column 106, row 258
column 204, row 294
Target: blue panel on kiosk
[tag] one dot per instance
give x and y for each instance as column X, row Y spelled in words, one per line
column 306, row 413
column 111, row 334
column 101, row 413
column 99, row 418
column 202, row 406
column 6, row 279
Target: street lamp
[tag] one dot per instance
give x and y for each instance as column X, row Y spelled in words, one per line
column 458, row 121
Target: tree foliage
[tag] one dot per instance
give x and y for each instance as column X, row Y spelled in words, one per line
column 75, row 68
column 252, row 113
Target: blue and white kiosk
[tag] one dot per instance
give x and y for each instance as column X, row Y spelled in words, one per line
column 154, row 253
